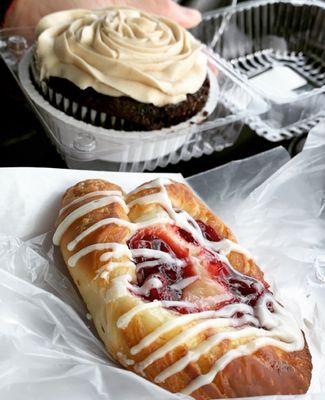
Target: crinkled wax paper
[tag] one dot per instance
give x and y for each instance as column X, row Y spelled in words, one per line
column 48, row 347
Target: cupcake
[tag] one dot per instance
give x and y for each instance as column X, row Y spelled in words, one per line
column 120, row 68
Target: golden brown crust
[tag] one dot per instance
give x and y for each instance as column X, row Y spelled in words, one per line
column 267, row 371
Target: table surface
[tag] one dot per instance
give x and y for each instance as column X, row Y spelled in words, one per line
column 23, row 141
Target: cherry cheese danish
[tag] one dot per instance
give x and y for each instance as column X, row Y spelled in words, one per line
column 174, row 297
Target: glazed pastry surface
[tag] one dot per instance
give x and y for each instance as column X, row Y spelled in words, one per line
column 174, row 297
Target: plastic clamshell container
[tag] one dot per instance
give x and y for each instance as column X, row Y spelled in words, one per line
column 85, row 146
column 277, row 46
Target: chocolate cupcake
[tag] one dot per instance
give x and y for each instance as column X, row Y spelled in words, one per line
column 120, row 68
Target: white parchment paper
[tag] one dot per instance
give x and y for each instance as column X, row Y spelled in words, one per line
column 48, row 347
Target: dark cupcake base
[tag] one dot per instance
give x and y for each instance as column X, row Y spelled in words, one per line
column 120, row 113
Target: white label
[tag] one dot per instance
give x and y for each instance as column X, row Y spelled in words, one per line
column 278, row 83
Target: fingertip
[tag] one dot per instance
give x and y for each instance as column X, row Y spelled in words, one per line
column 189, row 17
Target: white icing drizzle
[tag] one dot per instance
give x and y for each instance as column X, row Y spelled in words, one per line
column 118, row 288
column 118, row 251
column 183, row 283
column 124, row 359
column 121, row 248
column 147, row 264
column 151, row 283
column 280, row 323
column 182, row 338
column 89, row 195
column 281, row 331
column 243, row 350
column 126, row 318
column 167, row 326
column 177, row 303
column 160, row 257
column 83, row 210
column 150, row 253
column 97, row 225
column 152, row 221
column 161, row 181
column 212, row 300
column 202, row 348
column 223, row 247
column 226, row 246
column 226, row 311
column 222, row 362
column 117, row 221
column 104, row 271
column 208, row 344
column 151, row 198
column 184, row 220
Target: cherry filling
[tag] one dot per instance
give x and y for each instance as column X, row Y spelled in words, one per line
column 167, row 272
column 208, row 232
column 162, row 280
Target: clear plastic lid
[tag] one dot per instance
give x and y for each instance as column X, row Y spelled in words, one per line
column 277, row 46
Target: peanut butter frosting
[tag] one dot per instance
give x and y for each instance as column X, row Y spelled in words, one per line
column 121, row 52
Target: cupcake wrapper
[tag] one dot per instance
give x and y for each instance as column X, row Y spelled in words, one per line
column 82, row 112
column 89, row 115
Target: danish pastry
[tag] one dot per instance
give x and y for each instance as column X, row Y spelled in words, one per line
column 174, row 297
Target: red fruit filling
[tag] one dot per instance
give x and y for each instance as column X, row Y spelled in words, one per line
column 168, row 273
column 208, row 232
column 186, row 251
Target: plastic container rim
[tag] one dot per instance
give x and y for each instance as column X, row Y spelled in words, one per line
column 231, row 10
column 253, row 3
column 222, row 121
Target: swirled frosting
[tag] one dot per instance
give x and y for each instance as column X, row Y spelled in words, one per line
column 121, row 52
